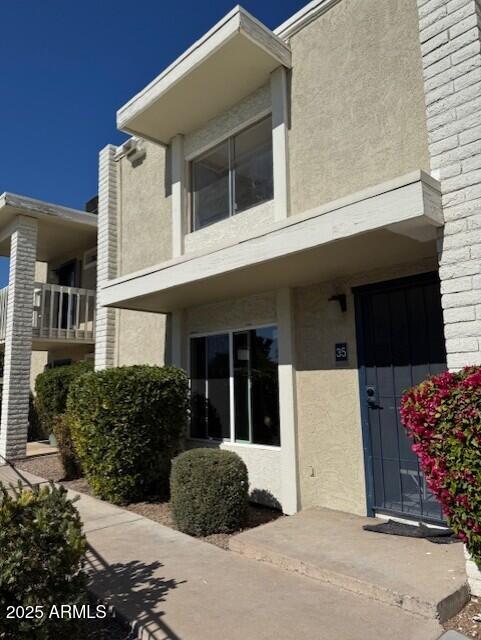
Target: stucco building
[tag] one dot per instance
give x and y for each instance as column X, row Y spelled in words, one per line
column 47, row 311
column 297, row 218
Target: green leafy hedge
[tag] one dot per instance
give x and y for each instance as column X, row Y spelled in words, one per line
column 127, row 425
column 51, row 391
column 42, row 550
column 62, row 428
column 209, row 491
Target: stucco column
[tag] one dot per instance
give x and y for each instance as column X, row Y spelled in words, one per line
column 287, row 401
column 18, row 339
column 178, row 195
column 451, row 56
column 280, row 156
column 106, row 256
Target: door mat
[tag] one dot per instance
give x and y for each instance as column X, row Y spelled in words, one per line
column 433, row 534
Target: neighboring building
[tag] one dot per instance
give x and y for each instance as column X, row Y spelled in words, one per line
column 47, row 312
column 285, row 212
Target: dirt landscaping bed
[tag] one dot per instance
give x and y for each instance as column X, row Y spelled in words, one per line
column 468, row 620
column 108, row 629
column 48, row 466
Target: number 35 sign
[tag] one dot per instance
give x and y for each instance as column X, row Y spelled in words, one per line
column 341, row 352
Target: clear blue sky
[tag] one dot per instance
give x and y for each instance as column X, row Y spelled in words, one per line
column 66, row 66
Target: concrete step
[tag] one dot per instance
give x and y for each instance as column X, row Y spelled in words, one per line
column 426, row 579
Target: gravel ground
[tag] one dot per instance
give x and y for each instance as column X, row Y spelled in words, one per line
column 49, row 467
column 468, row 620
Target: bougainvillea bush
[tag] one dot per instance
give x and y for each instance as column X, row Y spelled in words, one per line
column 443, row 417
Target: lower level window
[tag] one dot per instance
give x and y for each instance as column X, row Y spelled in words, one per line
column 235, row 386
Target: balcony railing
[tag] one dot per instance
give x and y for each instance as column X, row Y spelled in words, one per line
column 59, row 313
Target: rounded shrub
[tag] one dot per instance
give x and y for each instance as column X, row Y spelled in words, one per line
column 42, row 551
column 51, row 391
column 443, row 417
column 127, row 424
column 209, row 491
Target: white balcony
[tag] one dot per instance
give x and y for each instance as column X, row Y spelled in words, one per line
column 228, row 63
column 372, row 229
column 60, row 314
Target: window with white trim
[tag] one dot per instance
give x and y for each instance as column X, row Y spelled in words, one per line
column 233, row 176
column 235, row 386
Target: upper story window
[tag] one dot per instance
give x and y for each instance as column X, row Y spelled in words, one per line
column 233, row 176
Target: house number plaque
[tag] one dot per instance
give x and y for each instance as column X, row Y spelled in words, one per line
column 341, row 352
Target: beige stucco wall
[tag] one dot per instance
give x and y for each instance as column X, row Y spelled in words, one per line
column 140, row 338
column 144, row 210
column 233, row 314
column 144, row 229
column 331, row 466
column 357, row 101
column 37, row 365
column 41, row 269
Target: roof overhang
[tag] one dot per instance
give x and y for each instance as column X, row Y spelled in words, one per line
column 229, row 62
column 382, row 226
column 61, row 231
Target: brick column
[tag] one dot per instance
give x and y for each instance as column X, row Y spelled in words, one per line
column 18, row 339
column 451, row 55
column 106, row 256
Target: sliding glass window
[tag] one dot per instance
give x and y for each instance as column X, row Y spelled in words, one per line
column 233, row 176
column 248, row 364
column 210, row 398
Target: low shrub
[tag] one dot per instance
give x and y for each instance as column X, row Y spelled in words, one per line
column 62, row 429
column 35, row 429
column 51, row 391
column 443, row 417
column 209, row 491
column 42, row 550
column 127, row 425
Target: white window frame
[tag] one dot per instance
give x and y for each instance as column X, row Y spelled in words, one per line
column 87, row 254
column 230, row 333
column 229, row 138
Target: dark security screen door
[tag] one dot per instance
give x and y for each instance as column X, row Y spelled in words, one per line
column 400, row 343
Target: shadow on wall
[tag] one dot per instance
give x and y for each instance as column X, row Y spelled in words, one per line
column 135, row 588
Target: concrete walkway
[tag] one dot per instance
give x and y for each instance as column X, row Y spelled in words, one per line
column 177, row 587
column 40, row 448
column 419, row 576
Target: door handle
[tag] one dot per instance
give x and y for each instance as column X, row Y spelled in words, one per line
column 371, row 397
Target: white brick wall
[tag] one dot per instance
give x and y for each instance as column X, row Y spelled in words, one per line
column 18, row 339
column 106, row 255
column 451, row 54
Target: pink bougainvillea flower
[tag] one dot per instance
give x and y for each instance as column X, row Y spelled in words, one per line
column 442, row 416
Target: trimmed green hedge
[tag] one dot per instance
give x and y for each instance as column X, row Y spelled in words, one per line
column 127, row 424
column 62, row 429
column 209, row 491
column 51, row 391
column 42, row 551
